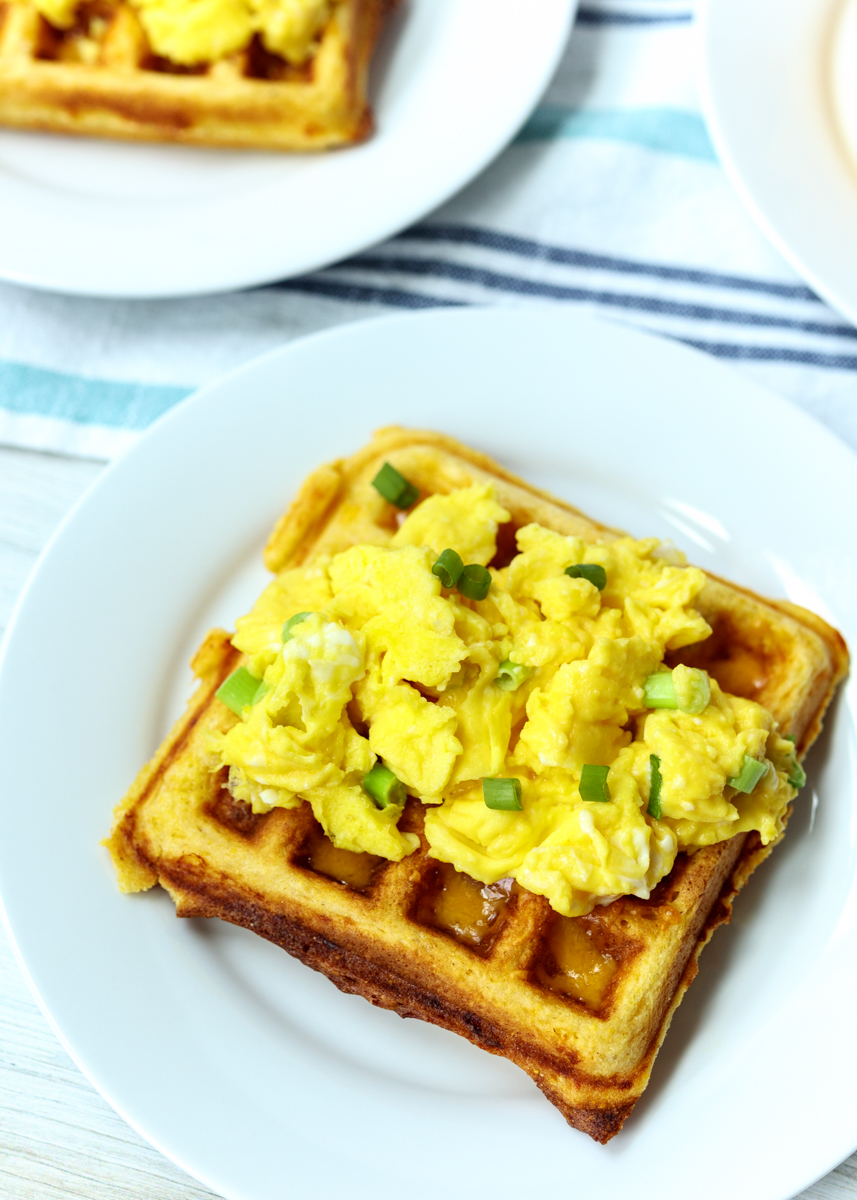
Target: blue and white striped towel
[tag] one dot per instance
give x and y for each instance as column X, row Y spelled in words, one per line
column 610, row 200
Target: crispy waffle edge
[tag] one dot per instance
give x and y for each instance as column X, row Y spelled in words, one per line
column 128, row 95
column 600, row 1062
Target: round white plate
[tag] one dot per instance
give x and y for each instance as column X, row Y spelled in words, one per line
column 844, row 77
column 452, row 82
column 248, row 1069
column 767, row 82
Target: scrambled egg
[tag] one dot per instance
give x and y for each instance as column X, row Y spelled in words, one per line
column 189, row 32
column 542, row 678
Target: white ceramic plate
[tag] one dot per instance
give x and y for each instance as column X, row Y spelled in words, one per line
column 248, row 1069
column 767, row 81
column 453, row 81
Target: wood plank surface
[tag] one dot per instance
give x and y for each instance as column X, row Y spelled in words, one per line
column 58, row 1138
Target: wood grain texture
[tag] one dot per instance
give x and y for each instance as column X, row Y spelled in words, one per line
column 58, row 1138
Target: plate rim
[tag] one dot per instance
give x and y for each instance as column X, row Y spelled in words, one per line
column 725, row 144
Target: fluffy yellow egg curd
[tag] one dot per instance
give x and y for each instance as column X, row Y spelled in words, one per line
column 545, row 680
column 190, row 32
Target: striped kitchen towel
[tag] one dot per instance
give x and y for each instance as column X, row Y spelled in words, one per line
column 610, row 200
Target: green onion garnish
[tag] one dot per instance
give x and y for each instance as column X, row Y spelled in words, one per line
column 504, row 794
column 290, row 624
column 658, row 691
column 510, row 675
column 593, row 783
column 474, row 582
column 448, row 568
column 384, row 787
column 685, row 688
column 752, row 770
column 591, row 571
column 241, row 689
column 797, row 776
column 394, row 487
column 654, row 809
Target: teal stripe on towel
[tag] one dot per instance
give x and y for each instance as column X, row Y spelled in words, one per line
column 37, row 392
column 669, row 130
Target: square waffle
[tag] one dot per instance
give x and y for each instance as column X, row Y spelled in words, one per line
column 100, row 78
column 582, row 1004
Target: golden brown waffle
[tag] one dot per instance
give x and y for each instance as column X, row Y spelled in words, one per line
column 583, row 1004
column 101, row 78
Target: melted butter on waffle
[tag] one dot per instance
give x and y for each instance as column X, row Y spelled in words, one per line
column 384, row 663
column 470, row 911
column 356, row 871
column 190, row 32
column 574, row 964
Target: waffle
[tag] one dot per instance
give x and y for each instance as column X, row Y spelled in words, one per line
column 100, row 78
column 582, row 1005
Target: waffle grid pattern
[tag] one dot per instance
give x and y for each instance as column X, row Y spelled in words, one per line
column 101, row 77
column 517, row 930
column 110, row 35
column 591, row 1055
column 581, row 1005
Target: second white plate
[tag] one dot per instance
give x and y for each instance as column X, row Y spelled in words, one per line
column 252, row 1071
column 767, row 88
column 453, row 81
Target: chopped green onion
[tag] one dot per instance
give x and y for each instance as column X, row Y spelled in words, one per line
column 593, row 783
column 654, row 809
column 503, row 794
column 261, row 691
column 591, row 571
column 797, row 776
column 394, row 487
column 290, row 624
column 448, row 568
column 240, row 689
column 474, row 582
column 685, row 688
column 384, row 787
column 510, row 675
column 752, row 770
column 659, row 692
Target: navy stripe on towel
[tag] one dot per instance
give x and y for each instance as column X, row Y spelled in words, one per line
column 435, row 268
column 358, row 293
column 783, row 354
column 401, row 299
column 597, row 16
column 489, row 239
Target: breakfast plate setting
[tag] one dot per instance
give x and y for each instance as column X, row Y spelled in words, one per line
column 207, row 220
column 249, row 1070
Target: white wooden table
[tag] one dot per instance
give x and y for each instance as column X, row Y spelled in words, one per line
column 58, row 1138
